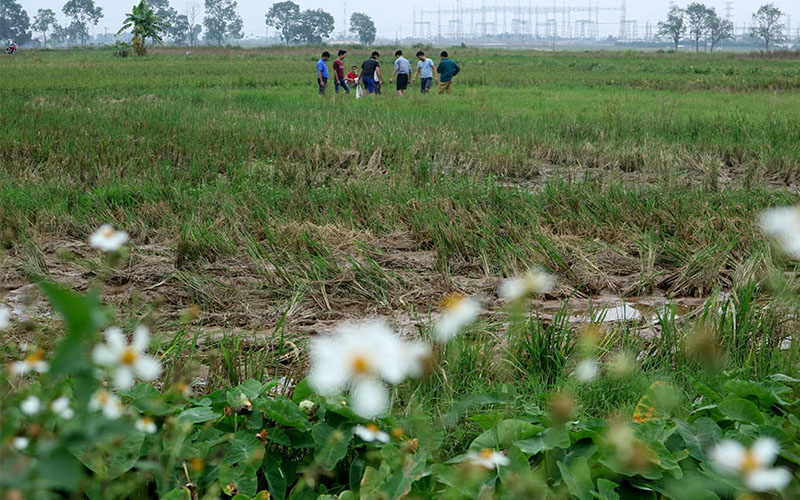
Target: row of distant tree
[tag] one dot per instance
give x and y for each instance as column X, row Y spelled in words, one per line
column 702, row 23
column 221, row 23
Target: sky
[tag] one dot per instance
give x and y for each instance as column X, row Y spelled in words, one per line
column 393, row 18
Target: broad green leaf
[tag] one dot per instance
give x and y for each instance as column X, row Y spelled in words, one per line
column 741, row 410
column 59, row 470
column 302, row 391
column 330, row 444
column 700, row 436
column 197, row 415
column 178, row 494
column 746, row 389
column 578, row 478
column 111, row 460
column 276, row 477
column 245, row 449
column 607, row 490
column 286, row 413
column 554, row 437
column 243, row 480
column 399, row 483
column 250, row 388
column 504, row 435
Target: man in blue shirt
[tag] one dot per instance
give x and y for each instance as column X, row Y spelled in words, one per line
column 447, row 70
column 426, row 70
column 322, row 72
column 402, row 70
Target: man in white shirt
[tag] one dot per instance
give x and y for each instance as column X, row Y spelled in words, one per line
column 402, row 70
column 427, row 69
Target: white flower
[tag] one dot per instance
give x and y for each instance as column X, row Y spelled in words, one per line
column 107, row 239
column 126, row 361
column 33, row 362
column 371, row 432
column 458, row 312
column 146, row 425
column 60, row 407
column 31, row 406
column 754, row 464
column 21, row 442
column 360, row 357
column 5, row 318
column 587, row 370
column 488, row 459
column 783, row 224
column 417, row 357
column 534, row 281
column 108, row 403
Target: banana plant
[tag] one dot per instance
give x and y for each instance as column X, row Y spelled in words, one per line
column 145, row 25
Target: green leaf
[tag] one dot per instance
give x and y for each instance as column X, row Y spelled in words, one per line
column 59, row 470
column 607, row 490
column 111, row 460
column 330, row 444
column 245, row 449
column 244, row 479
column 302, row 391
column 178, row 494
column 504, row 435
column 250, row 388
column 399, row 483
column 276, row 477
column 741, row 410
column 578, row 478
column 197, row 415
column 746, row 389
column 286, row 413
column 699, row 436
column 554, row 437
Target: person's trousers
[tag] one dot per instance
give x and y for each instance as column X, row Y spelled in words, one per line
column 323, row 85
column 341, row 84
column 445, row 87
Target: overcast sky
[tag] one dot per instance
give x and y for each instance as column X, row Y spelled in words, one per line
column 389, row 16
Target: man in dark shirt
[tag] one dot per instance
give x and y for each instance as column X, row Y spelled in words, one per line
column 338, row 73
column 371, row 73
column 447, row 70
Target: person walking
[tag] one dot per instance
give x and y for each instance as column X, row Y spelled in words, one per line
column 339, row 80
column 370, row 73
column 402, row 70
column 322, row 72
column 426, row 70
column 447, row 70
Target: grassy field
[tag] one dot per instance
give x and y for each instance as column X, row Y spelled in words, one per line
column 261, row 214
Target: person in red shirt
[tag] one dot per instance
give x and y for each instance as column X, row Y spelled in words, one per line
column 352, row 77
column 338, row 73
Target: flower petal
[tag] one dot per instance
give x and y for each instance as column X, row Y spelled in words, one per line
column 141, row 339
column 147, row 368
column 765, row 451
column 370, row 398
column 728, row 456
column 115, row 340
column 103, row 356
column 123, row 378
column 769, row 479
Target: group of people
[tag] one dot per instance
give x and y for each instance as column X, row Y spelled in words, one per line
column 11, row 47
column 371, row 77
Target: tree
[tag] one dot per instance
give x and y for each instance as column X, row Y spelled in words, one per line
column 44, row 21
column 82, row 13
column 768, row 25
column 144, row 24
column 698, row 22
column 314, row 26
column 178, row 30
column 222, row 21
column 192, row 13
column 675, row 25
column 14, row 22
column 719, row 29
column 284, row 17
column 362, row 25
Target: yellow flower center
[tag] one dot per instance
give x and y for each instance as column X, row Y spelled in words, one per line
column 129, row 357
column 360, row 365
column 487, row 454
column 102, row 397
column 147, row 421
column 35, row 356
column 373, row 428
column 749, row 462
column 397, row 433
column 452, row 301
column 197, row 464
column 108, row 233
